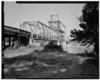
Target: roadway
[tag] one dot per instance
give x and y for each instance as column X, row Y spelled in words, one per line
column 49, row 64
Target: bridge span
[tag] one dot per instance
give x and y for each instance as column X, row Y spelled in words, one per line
column 31, row 32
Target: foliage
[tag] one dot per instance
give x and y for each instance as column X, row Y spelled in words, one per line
column 89, row 22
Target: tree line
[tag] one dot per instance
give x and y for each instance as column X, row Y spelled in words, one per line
column 89, row 22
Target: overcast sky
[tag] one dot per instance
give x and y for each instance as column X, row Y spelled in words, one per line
column 15, row 14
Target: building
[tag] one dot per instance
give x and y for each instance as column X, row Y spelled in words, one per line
column 14, row 37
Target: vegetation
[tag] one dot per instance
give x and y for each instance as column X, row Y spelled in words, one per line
column 89, row 22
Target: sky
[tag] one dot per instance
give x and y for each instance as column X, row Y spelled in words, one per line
column 15, row 14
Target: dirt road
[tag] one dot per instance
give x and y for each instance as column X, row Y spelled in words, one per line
column 52, row 64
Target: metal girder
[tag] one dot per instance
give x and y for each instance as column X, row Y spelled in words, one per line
column 44, row 30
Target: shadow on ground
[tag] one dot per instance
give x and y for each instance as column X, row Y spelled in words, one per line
column 50, row 63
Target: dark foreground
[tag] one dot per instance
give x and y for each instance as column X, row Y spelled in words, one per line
column 50, row 64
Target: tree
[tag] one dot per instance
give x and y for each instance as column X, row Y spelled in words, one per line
column 89, row 22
